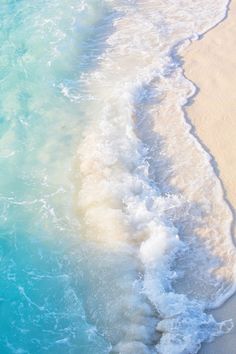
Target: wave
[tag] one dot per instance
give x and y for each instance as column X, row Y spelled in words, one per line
column 147, row 192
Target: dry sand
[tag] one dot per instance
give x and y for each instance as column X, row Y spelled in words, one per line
column 211, row 64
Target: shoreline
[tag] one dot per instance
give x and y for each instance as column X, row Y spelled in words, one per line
column 210, row 64
column 215, row 100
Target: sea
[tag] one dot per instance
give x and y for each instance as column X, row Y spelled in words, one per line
column 115, row 233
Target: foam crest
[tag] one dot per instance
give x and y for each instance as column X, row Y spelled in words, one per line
column 146, row 188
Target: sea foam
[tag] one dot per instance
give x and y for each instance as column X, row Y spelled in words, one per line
column 147, row 192
column 148, row 250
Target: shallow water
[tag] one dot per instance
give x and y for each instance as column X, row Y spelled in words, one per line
column 115, row 235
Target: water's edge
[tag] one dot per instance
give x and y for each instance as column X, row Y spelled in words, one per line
column 193, row 131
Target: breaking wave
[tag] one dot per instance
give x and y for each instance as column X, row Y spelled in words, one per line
column 147, row 191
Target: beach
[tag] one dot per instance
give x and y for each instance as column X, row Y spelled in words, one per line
column 210, row 64
column 115, row 230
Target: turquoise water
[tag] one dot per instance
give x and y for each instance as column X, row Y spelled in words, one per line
column 41, row 301
column 108, row 203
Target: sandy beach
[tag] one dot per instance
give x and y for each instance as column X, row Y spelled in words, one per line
column 114, row 230
column 211, row 64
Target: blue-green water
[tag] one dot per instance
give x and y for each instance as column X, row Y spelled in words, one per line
column 108, row 203
column 41, row 276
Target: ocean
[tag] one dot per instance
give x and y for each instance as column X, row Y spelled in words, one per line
column 115, row 235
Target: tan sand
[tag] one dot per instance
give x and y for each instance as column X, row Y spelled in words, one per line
column 211, row 64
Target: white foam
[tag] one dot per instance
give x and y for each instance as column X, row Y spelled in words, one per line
column 147, row 190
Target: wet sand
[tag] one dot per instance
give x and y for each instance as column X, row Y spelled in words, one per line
column 211, row 64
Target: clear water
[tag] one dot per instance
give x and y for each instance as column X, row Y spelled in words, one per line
column 41, row 302
column 114, row 231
